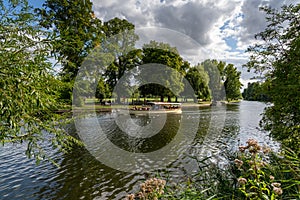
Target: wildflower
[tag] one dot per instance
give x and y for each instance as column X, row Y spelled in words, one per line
column 242, row 148
column 130, row 197
column 252, row 142
column 277, row 190
column 253, row 146
column 272, row 177
column 256, row 167
column 150, row 188
column 276, row 185
column 254, row 149
column 143, row 187
column 242, row 181
column 266, row 150
column 238, row 163
column 140, row 195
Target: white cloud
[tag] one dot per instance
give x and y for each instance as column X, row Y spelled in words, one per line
column 199, row 28
column 254, row 21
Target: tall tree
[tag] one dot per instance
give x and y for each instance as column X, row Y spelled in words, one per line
column 76, row 31
column 278, row 56
column 199, row 80
column 232, row 83
column 28, row 88
column 162, row 53
column 215, row 70
column 120, row 44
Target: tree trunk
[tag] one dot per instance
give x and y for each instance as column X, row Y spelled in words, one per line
column 169, row 98
column 162, row 98
column 195, row 100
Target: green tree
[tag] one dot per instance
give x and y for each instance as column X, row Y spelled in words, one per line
column 76, row 31
column 162, row 53
column 102, row 90
column 256, row 91
column 199, row 80
column 120, row 44
column 232, row 83
column 251, row 92
column 278, row 57
column 28, row 89
column 215, row 70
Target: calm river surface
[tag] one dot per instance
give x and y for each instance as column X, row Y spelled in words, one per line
column 82, row 176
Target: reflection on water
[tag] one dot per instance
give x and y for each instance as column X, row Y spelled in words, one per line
column 81, row 176
column 146, row 143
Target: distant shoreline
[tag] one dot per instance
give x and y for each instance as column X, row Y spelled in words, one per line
column 101, row 108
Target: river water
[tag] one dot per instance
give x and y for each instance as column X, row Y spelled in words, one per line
column 86, row 174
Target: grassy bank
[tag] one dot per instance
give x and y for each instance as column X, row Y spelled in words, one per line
column 94, row 104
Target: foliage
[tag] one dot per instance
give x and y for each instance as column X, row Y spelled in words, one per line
column 215, row 71
column 286, row 167
column 199, row 80
column 277, row 56
column 102, row 90
column 76, row 31
column 64, row 92
column 28, row 88
column 224, row 80
column 188, row 190
column 257, row 91
column 120, row 44
column 156, row 188
column 232, row 83
column 256, row 180
column 259, row 173
column 254, row 172
column 162, row 53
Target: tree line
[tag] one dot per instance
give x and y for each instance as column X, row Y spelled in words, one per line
column 257, row 91
column 70, row 31
column 206, row 79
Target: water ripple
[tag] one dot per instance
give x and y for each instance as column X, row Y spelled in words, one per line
column 81, row 176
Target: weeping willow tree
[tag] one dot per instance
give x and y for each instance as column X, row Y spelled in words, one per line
column 28, row 88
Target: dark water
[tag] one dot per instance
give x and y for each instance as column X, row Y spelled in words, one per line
column 82, row 176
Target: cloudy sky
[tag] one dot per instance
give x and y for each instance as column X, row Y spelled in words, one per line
column 199, row 28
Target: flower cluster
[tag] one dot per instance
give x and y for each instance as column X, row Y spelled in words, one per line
column 242, row 181
column 238, row 163
column 149, row 190
column 252, row 146
column 255, row 179
column 277, row 189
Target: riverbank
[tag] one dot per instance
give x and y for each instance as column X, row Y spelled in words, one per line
column 109, row 108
